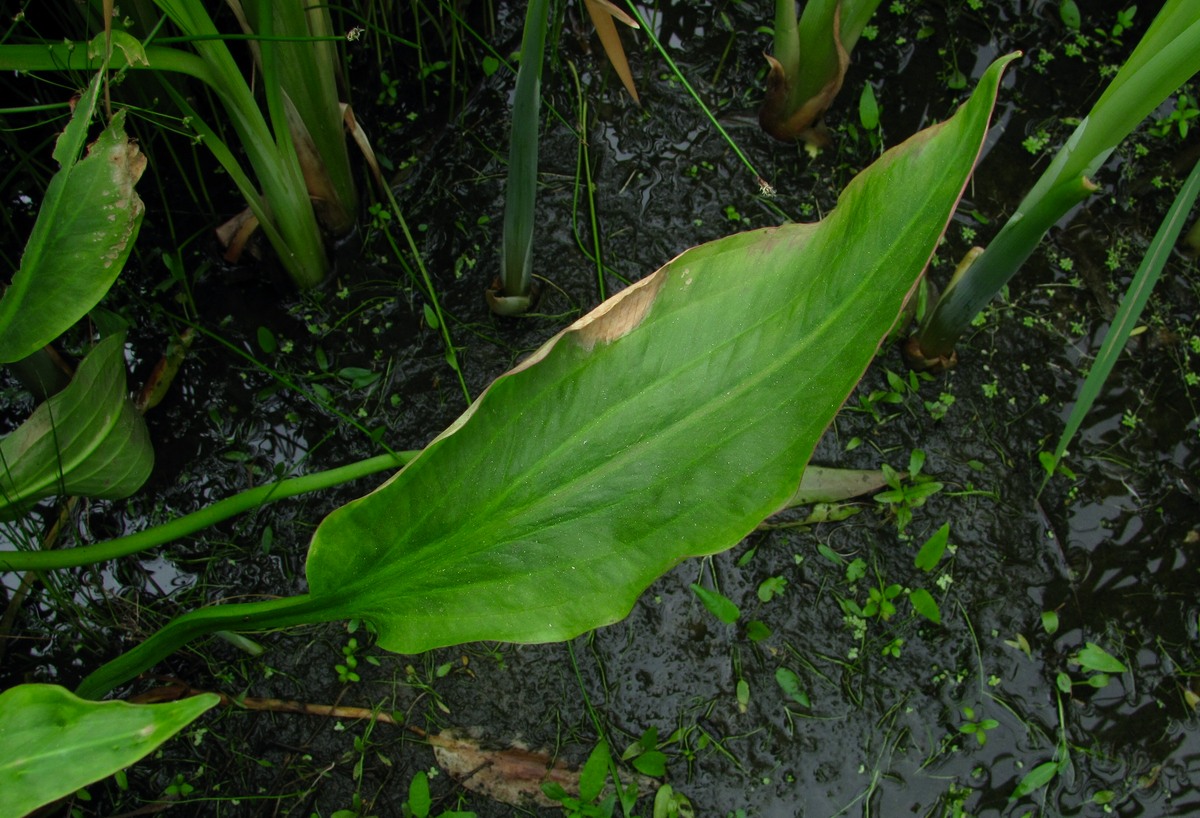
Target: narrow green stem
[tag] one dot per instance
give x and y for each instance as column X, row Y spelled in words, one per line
column 275, row 613
column 969, row 293
column 787, row 39
column 817, row 56
column 197, row 520
column 74, row 57
column 649, row 31
column 1128, row 313
column 451, row 355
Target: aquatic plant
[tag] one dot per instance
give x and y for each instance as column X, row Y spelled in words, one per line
column 512, row 519
column 494, row 534
column 295, row 144
column 811, row 56
column 514, row 293
column 85, row 438
column 1165, row 58
column 1127, row 315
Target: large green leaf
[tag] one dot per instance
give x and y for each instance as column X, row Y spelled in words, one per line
column 85, row 229
column 87, row 440
column 665, row 424
column 55, row 743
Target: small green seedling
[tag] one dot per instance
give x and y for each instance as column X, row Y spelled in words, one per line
column 1095, row 660
column 420, row 802
column 671, row 804
column 976, row 727
column 347, row 668
column 771, row 588
column 880, row 601
column 892, row 648
column 1177, row 121
column 907, row 492
column 645, row 756
column 591, row 785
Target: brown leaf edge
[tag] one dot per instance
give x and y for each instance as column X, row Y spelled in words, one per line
column 776, row 115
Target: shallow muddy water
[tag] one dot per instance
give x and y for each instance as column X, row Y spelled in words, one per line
column 1112, row 554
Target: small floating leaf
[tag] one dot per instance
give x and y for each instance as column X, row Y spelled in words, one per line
column 933, row 549
column 719, row 606
column 1035, row 779
column 1094, row 657
column 924, row 604
column 789, row 683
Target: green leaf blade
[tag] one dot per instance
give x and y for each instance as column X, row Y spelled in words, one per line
column 931, row 552
column 1094, row 657
column 84, row 232
column 55, row 743
column 720, row 606
column 86, row 440
column 664, row 425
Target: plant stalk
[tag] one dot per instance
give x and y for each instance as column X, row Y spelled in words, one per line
column 521, row 189
column 240, row 616
column 970, row 292
column 197, row 520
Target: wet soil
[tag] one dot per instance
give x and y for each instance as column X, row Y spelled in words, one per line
column 1113, row 553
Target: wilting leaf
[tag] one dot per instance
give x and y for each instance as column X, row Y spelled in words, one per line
column 602, row 13
column 512, row 775
column 85, row 229
column 55, row 743
column 86, row 440
column 825, row 485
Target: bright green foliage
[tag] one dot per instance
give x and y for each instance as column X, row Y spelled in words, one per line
column 933, row 549
column 924, row 604
column 521, row 187
column 1126, row 319
column 1092, row 657
column 1165, row 58
column 54, row 742
column 577, row 478
column 976, row 727
column 84, row 232
column 419, row 801
column 591, row 783
column 718, row 605
column 671, row 804
column 86, row 440
column 907, row 491
column 666, row 424
column 1039, row 776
